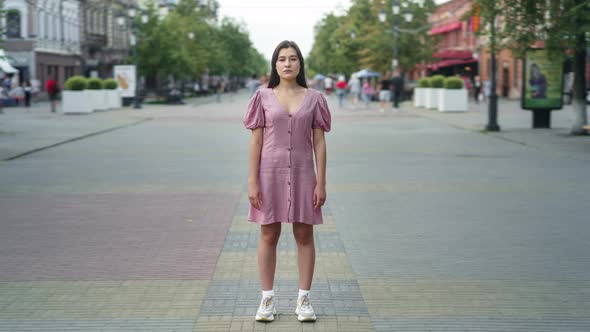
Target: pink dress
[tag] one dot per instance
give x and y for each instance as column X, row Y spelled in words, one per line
column 287, row 173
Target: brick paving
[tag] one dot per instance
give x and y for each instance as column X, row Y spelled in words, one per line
column 430, row 225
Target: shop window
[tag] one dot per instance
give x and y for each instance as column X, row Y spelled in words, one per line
column 13, row 24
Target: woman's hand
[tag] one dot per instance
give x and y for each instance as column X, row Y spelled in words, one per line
column 319, row 196
column 255, row 196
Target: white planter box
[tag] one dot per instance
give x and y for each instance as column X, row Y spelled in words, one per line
column 114, row 99
column 75, row 102
column 432, row 97
column 450, row 100
column 98, row 99
column 419, row 97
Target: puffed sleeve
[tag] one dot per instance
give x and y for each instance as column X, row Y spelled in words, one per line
column 322, row 118
column 254, row 117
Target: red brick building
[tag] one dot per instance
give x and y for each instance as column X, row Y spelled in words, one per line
column 461, row 52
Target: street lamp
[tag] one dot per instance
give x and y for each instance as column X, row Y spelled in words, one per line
column 132, row 13
column 395, row 9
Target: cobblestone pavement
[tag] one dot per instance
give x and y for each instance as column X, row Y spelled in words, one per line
column 430, row 225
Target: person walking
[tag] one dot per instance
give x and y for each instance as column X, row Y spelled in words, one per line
column 476, row 88
column 52, row 91
column 384, row 93
column 341, row 91
column 397, row 88
column 28, row 92
column 354, row 84
column 368, row 92
column 288, row 122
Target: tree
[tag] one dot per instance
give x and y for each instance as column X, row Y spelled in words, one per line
column 335, row 50
column 187, row 43
column 562, row 25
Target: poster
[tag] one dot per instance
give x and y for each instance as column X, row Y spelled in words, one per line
column 542, row 81
column 125, row 77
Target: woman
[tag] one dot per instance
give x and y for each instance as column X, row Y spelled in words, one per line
column 355, row 88
column 288, row 122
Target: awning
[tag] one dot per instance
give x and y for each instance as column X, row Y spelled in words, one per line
column 7, row 67
column 452, row 62
column 445, row 28
column 453, row 54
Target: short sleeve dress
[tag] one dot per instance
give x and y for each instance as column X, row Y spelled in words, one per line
column 287, row 173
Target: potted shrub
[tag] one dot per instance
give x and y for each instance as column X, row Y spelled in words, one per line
column 74, row 96
column 113, row 95
column 453, row 98
column 436, row 84
column 96, row 94
column 420, row 92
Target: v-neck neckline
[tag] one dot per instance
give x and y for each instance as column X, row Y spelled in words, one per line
column 283, row 107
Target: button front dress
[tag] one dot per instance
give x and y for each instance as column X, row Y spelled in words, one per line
column 287, row 176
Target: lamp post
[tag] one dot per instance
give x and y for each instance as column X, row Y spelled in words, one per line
column 132, row 13
column 408, row 16
column 492, row 124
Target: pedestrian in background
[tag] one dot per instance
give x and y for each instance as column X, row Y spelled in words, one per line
column 397, row 88
column 52, row 91
column 328, row 85
column 476, row 88
column 288, row 122
column 253, row 84
column 28, row 92
column 341, row 90
column 354, row 84
column 368, row 92
column 384, row 93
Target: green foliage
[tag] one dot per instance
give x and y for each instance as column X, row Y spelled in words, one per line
column 454, row 83
column 335, row 51
column 110, row 84
column 76, row 83
column 165, row 49
column 424, row 82
column 94, row 84
column 437, row 81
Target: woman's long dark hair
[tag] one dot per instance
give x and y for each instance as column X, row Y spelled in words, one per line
column 274, row 75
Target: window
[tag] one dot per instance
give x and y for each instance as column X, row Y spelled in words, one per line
column 13, row 24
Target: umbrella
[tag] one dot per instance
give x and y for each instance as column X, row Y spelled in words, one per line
column 365, row 73
column 319, row 77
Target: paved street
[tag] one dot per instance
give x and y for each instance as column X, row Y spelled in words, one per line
column 135, row 220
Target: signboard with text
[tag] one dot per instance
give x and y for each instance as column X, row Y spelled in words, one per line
column 125, row 77
column 542, row 86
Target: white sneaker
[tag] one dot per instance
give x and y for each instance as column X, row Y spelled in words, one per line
column 305, row 310
column 267, row 310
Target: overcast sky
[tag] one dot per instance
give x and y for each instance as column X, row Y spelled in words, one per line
column 270, row 21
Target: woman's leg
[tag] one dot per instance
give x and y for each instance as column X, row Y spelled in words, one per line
column 305, row 253
column 267, row 253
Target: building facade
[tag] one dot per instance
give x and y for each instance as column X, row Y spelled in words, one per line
column 42, row 38
column 460, row 51
column 62, row 38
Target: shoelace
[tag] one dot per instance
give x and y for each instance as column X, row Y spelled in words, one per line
column 305, row 303
column 266, row 302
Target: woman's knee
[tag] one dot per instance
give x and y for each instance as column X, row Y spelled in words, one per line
column 270, row 234
column 303, row 234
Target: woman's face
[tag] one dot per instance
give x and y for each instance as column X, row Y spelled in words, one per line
column 288, row 64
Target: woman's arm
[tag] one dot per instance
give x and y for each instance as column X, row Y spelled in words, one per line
column 253, row 187
column 319, row 146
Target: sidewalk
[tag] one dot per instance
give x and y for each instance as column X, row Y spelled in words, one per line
column 515, row 124
column 430, row 225
column 24, row 131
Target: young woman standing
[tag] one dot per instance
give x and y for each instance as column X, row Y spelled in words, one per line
column 288, row 122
